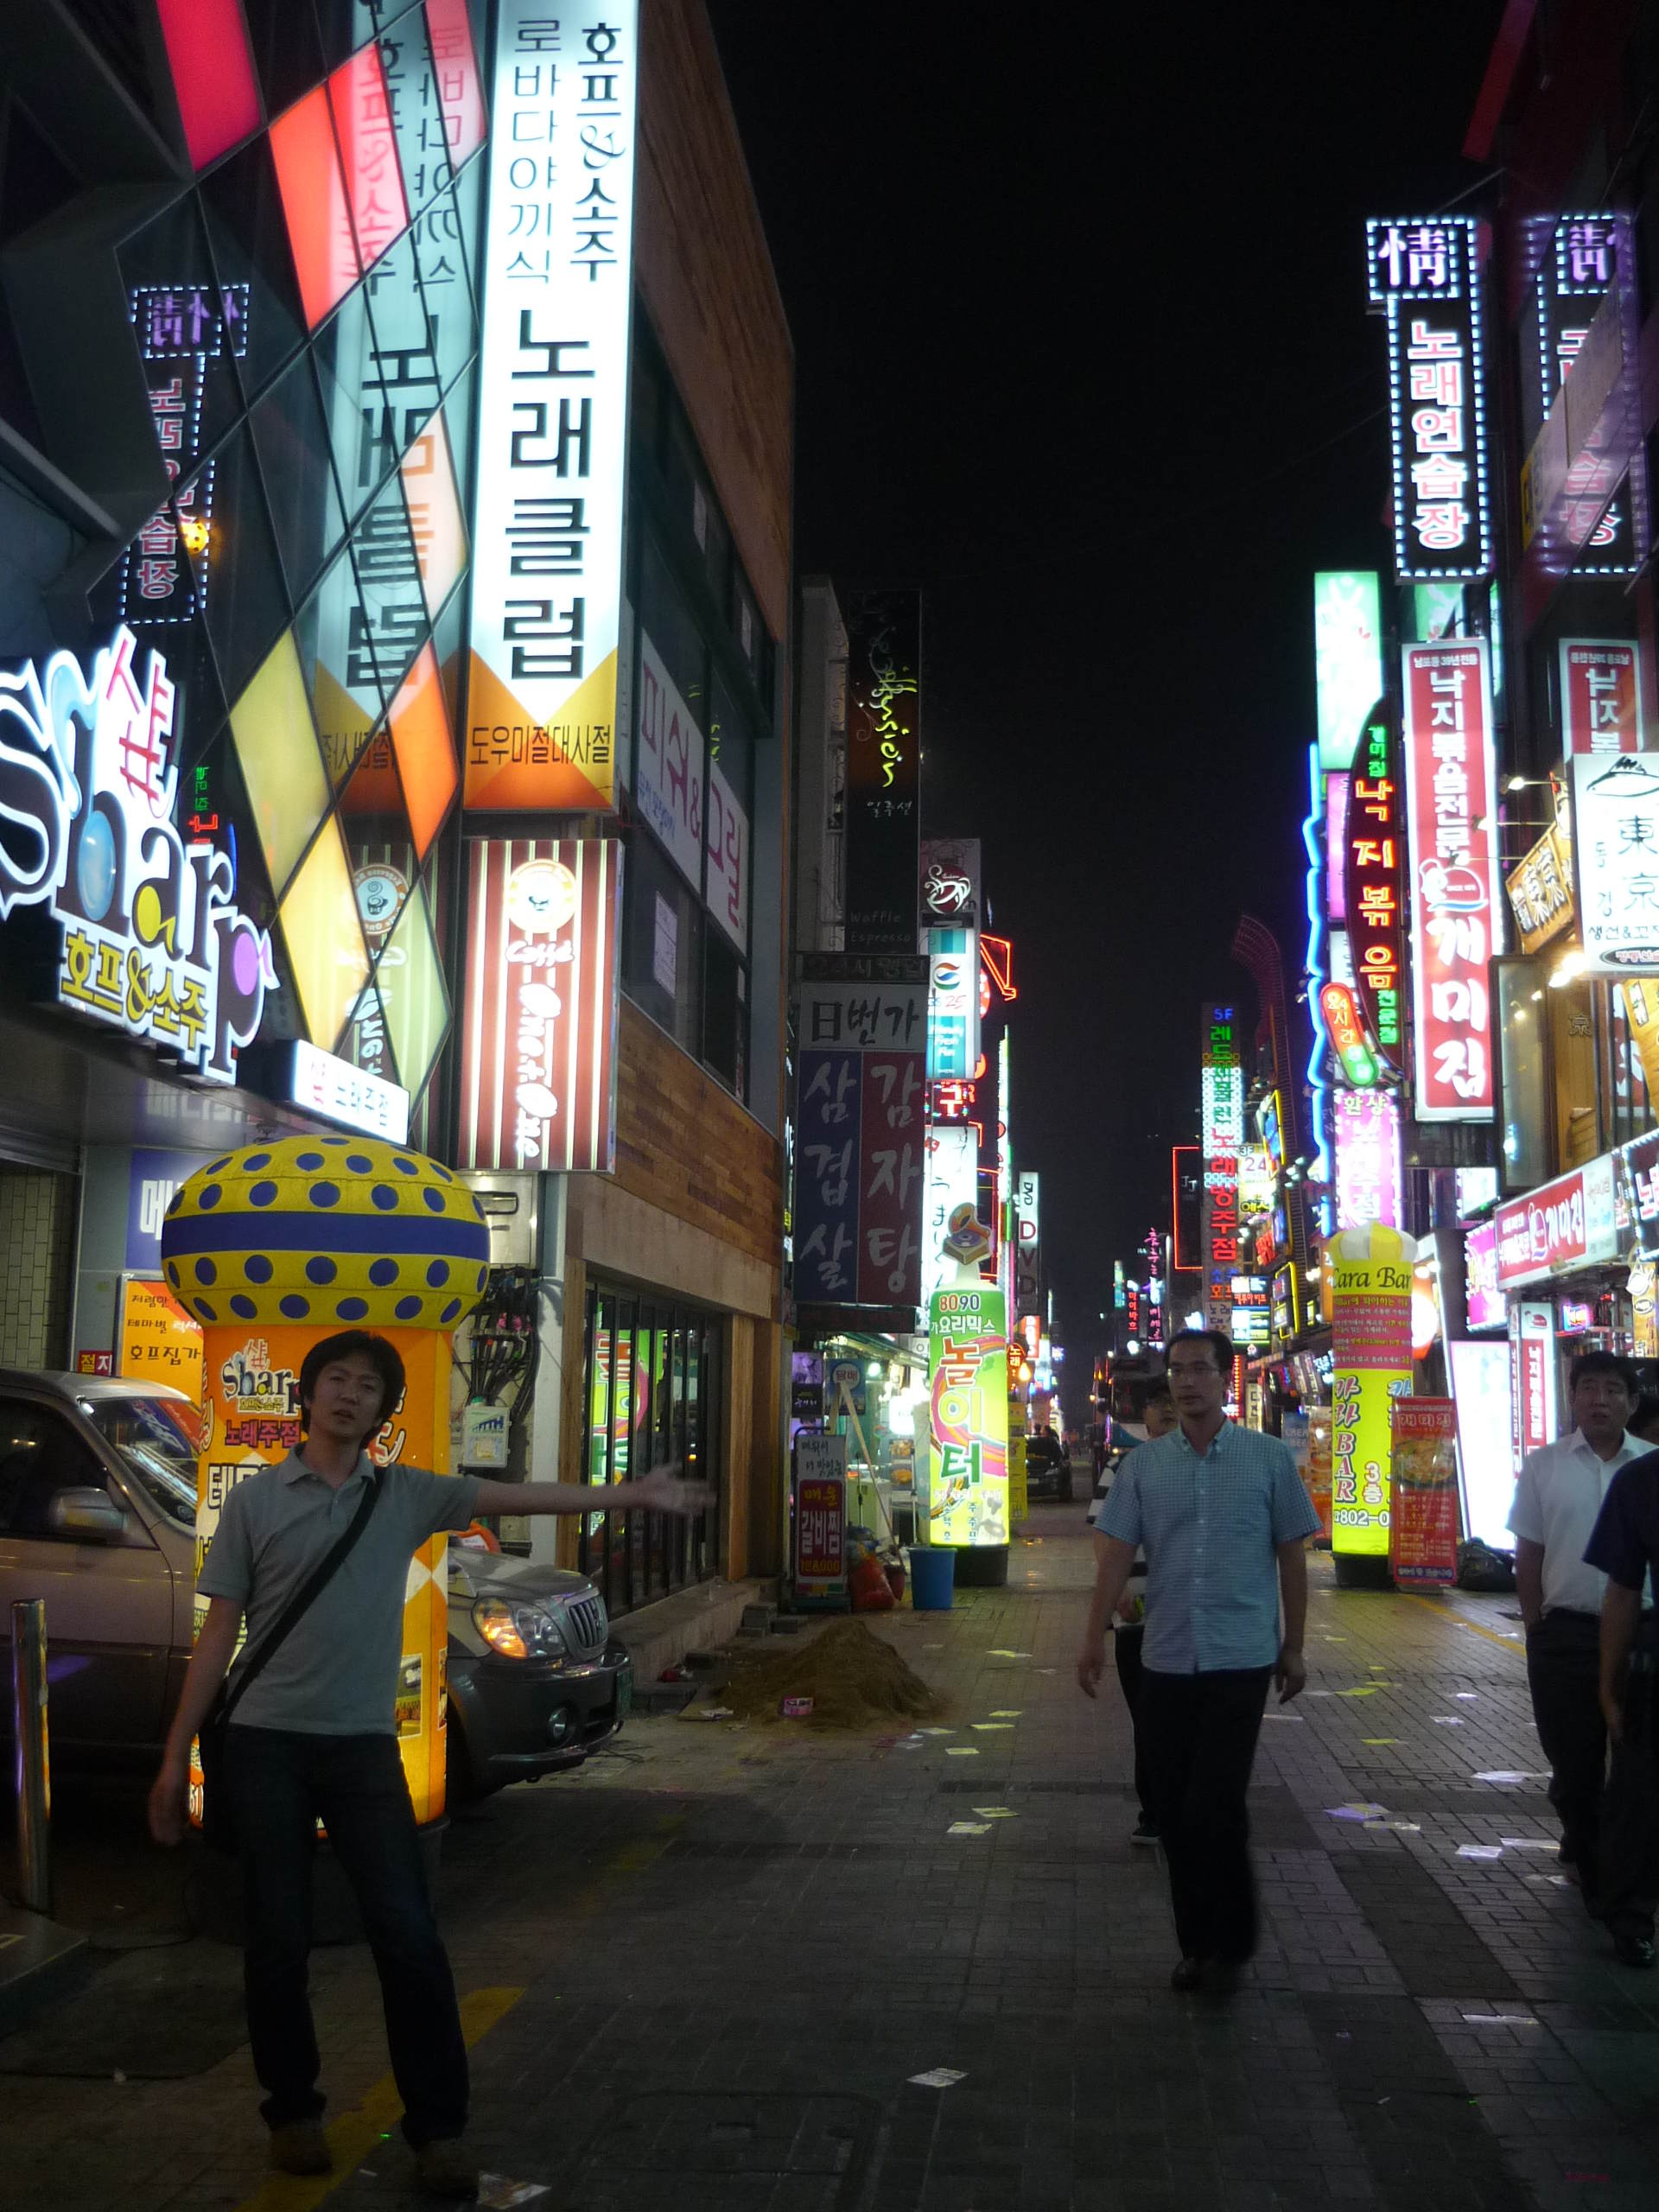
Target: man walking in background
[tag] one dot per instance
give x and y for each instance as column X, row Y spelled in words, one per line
column 1223, row 1516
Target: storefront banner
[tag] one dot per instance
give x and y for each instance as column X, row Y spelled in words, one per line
column 1424, row 276
column 1368, row 1160
column 1371, row 1285
column 952, row 1003
column 1480, row 1385
column 820, row 1515
column 152, row 942
column 1568, row 1224
column 1373, row 873
column 1616, row 839
column 1319, row 1472
column 553, row 411
column 1423, row 1525
column 1540, row 890
column 951, row 883
column 1601, row 696
column 1532, row 1378
column 883, row 815
column 668, row 765
column 1457, row 918
column 952, row 1182
column 1347, row 661
column 1484, row 1302
column 537, row 1069
column 156, row 1339
column 968, row 1385
column 862, row 1157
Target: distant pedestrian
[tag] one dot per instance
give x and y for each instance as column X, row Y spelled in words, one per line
column 1223, row 1516
column 1129, row 1622
column 315, row 1737
column 1558, row 1500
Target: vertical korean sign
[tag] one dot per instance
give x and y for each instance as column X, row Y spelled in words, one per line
column 1373, row 850
column 861, row 1155
column 1601, row 696
column 967, row 1379
column 537, row 1073
column 1222, row 1127
column 1347, row 662
column 1423, row 1525
column 883, row 813
column 547, row 540
column 1371, row 1274
column 1422, row 277
column 820, row 1516
column 1616, row 842
column 1027, row 1247
column 1456, row 919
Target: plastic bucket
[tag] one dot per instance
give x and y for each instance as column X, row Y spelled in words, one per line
column 932, row 1578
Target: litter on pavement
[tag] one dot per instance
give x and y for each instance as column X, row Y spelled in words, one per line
column 938, row 2077
column 969, row 1828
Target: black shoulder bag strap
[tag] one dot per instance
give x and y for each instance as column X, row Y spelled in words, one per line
column 315, row 1583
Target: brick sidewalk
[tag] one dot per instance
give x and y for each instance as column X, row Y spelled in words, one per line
column 737, row 1945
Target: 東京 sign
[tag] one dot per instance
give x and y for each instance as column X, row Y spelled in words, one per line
column 153, row 943
column 1616, row 838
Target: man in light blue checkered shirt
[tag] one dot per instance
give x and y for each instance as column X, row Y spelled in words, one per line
column 1221, row 1516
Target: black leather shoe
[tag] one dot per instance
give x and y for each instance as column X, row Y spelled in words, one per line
column 1188, row 1976
column 1634, row 1951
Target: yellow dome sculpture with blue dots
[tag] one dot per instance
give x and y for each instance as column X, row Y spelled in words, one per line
column 325, row 1232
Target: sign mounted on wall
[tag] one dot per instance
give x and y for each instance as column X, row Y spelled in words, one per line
column 1616, row 839
column 951, row 893
column 152, row 941
column 1347, row 661
column 883, row 843
column 1373, row 858
column 1368, row 1160
column 1601, row 696
column 547, row 541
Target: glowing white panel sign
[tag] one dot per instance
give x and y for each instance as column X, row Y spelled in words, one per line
column 952, row 1180
column 334, row 1091
column 1347, row 664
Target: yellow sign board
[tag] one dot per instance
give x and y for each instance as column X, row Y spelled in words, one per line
column 158, row 1341
column 1371, row 1281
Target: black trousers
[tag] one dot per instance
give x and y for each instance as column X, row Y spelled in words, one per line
column 283, row 1783
column 1610, row 1821
column 1199, row 1734
column 1126, row 1649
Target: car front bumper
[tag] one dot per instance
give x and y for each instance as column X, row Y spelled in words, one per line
column 508, row 1707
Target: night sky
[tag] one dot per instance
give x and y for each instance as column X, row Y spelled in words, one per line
column 1081, row 345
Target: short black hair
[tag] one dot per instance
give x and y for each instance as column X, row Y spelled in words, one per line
column 1604, row 1363
column 1220, row 1347
column 1157, row 1389
column 387, row 1359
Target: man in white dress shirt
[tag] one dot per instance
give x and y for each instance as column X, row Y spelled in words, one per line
column 1557, row 1499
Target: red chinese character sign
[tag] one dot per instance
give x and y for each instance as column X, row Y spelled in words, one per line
column 1423, row 278
column 547, row 559
column 861, row 1132
column 537, row 1073
column 1456, row 918
column 1373, row 871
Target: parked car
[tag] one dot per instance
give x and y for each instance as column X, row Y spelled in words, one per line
column 1048, row 1468
column 97, row 1511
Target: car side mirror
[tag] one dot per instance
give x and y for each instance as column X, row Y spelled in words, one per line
column 91, row 1512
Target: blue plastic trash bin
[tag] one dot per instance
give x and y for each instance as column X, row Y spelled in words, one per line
column 932, row 1577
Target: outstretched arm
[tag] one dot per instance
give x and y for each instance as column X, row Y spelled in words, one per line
column 663, row 1490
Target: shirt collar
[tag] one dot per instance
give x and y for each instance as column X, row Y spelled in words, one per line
column 1629, row 1447
column 295, row 1470
column 1214, row 1444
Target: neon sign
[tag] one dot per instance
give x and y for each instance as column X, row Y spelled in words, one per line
column 1372, row 873
column 1368, row 1160
column 152, row 942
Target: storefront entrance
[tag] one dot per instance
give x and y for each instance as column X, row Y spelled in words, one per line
column 652, row 1383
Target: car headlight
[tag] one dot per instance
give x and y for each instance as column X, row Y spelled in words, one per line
column 517, row 1631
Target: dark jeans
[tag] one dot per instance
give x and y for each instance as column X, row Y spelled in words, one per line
column 1199, row 1733
column 282, row 1783
column 1126, row 1649
column 1610, row 1822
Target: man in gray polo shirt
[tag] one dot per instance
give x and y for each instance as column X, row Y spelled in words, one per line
column 1221, row 1516
column 315, row 1738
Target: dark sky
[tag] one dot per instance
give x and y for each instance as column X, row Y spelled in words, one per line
column 1081, row 345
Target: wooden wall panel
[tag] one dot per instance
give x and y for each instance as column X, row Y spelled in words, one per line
column 706, row 275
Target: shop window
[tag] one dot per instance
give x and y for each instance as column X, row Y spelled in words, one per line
column 360, row 425
column 435, row 518
column 388, row 576
column 665, row 616
column 459, row 91
column 444, row 289
column 227, row 533
column 292, row 447
column 424, row 749
column 242, row 201
column 315, row 207
column 285, row 50
column 1525, row 1116
column 409, row 976
column 320, row 926
column 340, row 671
column 368, row 150
column 282, row 766
column 403, row 358
column 1572, row 1051
column 662, row 944
column 190, row 334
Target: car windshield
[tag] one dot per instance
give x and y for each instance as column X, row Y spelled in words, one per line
column 155, row 1438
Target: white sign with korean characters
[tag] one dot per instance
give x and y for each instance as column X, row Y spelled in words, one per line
column 668, row 761
column 1616, row 842
column 729, row 859
column 547, row 541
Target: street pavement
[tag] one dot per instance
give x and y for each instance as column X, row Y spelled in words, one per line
column 705, row 1972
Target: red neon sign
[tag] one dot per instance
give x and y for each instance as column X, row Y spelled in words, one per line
column 996, row 955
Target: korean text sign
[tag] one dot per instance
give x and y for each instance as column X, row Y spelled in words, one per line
column 1222, row 1087
column 1422, row 277
column 883, row 818
column 558, row 280
column 1457, row 918
column 1532, row 1377
column 820, row 1513
column 1368, row 1160
column 1616, row 839
column 1484, row 1302
column 1569, row 1223
column 1423, row 1526
column 967, row 1383
column 1371, row 1315
column 538, row 1072
column 1601, row 696
column 860, row 1152
column 1347, row 660
column 1372, row 873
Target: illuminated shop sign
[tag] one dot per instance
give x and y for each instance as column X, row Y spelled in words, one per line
column 1252, row 1315
column 952, row 1003
column 1562, row 1225
column 1347, row 1035
column 1422, row 277
column 152, row 942
column 1368, row 1160
column 1636, row 1195
column 1484, row 1298
column 952, row 1182
column 1601, row 696
column 1457, row 921
column 1532, row 1377
column 1316, row 963
column 1579, row 272
column 1223, row 1133
column 547, row 543
column 1027, row 1247
column 181, row 330
column 1539, row 889
column 1347, row 660
column 882, row 845
column 538, row 1071
column 1372, row 857
column 951, row 882
column 334, row 1091
column 968, row 1392
column 1616, row 839
column 1371, row 1284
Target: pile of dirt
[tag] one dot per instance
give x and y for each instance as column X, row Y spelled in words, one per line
column 854, row 1679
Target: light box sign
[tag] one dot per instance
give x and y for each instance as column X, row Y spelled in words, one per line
column 1480, row 1384
column 1347, row 660
column 1635, row 1198
column 882, row 814
column 1484, row 1302
column 537, row 1070
column 1027, row 1246
column 1373, row 851
column 668, row 765
column 1457, row 920
column 336, row 1091
column 1371, row 1341
column 952, row 1182
column 1540, row 890
column 1616, row 839
column 1532, row 1377
column 1355, row 1058
column 953, row 1004
column 553, row 411
column 1423, row 277
column 951, row 883
column 1368, row 1160
column 1336, row 845
column 1569, row 1223
column 1221, row 1128
column 967, row 1386
column 861, row 1151
column 1601, row 696
column 1579, row 272
column 152, row 943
